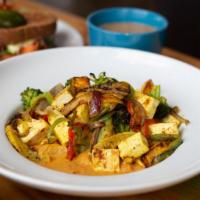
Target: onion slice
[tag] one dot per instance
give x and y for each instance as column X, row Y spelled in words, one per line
column 95, row 103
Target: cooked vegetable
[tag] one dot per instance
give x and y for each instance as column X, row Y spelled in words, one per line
column 174, row 113
column 172, row 147
column 145, row 128
column 28, row 95
column 81, row 98
column 147, row 87
column 96, row 126
column 47, row 96
column 101, row 79
column 154, row 91
column 20, row 146
column 95, row 103
column 138, row 114
column 106, row 130
column 162, row 111
column 71, row 145
column 121, row 119
column 50, row 135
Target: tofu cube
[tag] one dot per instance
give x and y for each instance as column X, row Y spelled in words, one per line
column 79, row 83
column 22, row 127
column 61, row 129
column 164, row 131
column 61, row 132
column 150, row 104
column 61, row 99
column 35, row 127
column 82, row 113
column 134, row 146
column 106, row 160
column 171, row 119
column 53, row 116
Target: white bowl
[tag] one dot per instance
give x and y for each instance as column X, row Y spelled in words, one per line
column 180, row 84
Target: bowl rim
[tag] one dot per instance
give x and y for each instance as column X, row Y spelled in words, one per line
column 105, row 31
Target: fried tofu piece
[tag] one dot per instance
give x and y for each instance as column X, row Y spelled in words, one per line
column 134, row 146
column 22, row 127
column 79, row 83
column 62, row 98
column 35, row 127
column 171, row 119
column 164, row 131
column 53, row 115
column 61, row 129
column 106, row 160
column 82, row 113
column 150, row 104
column 61, row 132
column 49, row 152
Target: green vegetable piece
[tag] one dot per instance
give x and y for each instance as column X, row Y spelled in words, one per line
column 19, row 145
column 45, row 95
column 107, row 130
column 162, row 111
column 155, row 92
column 121, row 119
column 11, row 19
column 163, row 137
column 106, row 117
column 28, row 95
column 131, row 93
column 162, row 157
column 101, row 79
column 50, row 135
column 68, row 82
column 175, row 144
column 172, row 147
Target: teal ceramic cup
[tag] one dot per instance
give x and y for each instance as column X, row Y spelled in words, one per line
column 147, row 41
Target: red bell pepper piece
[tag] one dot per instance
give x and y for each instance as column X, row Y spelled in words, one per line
column 45, row 117
column 71, row 145
column 145, row 128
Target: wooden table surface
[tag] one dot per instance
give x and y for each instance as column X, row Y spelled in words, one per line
column 189, row 190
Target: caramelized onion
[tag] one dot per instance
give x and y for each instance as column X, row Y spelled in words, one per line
column 95, row 103
column 138, row 114
column 81, row 98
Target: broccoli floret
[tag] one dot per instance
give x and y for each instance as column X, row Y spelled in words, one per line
column 28, row 95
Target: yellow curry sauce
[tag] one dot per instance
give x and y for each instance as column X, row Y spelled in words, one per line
column 82, row 165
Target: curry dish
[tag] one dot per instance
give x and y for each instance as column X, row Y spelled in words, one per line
column 96, row 125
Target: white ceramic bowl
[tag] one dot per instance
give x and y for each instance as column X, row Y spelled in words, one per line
column 180, row 84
